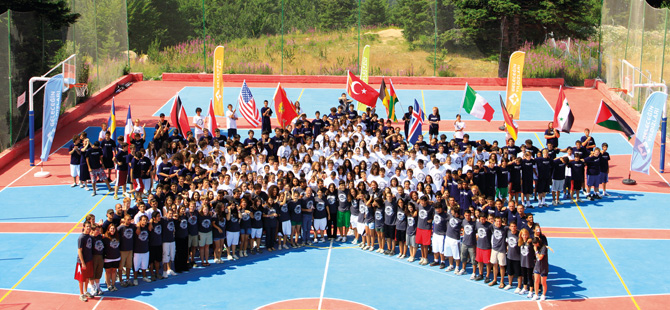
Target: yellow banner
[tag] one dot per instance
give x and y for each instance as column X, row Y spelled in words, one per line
column 514, row 85
column 365, row 70
column 218, row 81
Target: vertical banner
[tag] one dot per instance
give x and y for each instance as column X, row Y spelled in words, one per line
column 365, row 71
column 52, row 101
column 646, row 132
column 218, row 81
column 514, row 85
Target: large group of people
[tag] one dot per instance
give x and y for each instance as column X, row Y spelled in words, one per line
column 342, row 176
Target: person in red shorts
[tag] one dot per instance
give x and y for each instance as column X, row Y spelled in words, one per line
column 424, row 228
column 84, row 269
column 483, row 254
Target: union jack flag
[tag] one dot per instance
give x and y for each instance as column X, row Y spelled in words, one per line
column 247, row 106
column 415, row 125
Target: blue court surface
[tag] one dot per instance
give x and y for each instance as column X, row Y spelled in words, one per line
column 534, row 106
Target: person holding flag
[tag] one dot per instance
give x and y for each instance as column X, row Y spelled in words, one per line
column 231, row 122
column 416, row 123
column 162, row 128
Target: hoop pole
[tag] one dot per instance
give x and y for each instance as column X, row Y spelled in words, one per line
column 31, row 116
column 664, row 127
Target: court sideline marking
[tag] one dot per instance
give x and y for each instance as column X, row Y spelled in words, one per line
column 607, row 255
column 325, row 275
column 52, row 248
column 98, row 303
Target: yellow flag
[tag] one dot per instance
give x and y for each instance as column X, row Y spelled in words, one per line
column 365, row 70
column 217, row 97
column 514, row 85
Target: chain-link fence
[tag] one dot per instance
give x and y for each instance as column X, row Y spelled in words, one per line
column 30, row 46
column 634, row 31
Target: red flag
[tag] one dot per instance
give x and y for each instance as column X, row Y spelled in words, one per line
column 361, row 91
column 211, row 119
column 178, row 117
column 284, row 107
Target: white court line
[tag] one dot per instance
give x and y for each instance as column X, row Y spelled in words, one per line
column 37, row 164
column 538, row 305
column 325, row 275
column 77, row 295
column 98, row 303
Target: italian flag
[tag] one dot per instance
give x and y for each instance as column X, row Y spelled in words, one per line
column 607, row 118
column 476, row 105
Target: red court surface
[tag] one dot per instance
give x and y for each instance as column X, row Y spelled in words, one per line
column 604, row 303
column 29, row 300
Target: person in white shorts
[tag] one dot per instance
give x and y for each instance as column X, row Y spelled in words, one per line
column 451, row 241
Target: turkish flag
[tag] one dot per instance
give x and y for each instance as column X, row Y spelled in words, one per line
column 178, row 117
column 361, row 91
column 284, row 107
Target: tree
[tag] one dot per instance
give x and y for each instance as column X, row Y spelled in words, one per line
column 506, row 24
column 56, row 12
column 374, row 12
column 415, row 17
column 337, row 14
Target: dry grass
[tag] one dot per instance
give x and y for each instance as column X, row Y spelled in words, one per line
column 327, row 53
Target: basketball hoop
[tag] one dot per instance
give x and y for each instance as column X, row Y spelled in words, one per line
column 80, row 88
column 619, row 90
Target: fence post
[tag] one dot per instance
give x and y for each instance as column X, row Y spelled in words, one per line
column 282, row 37
column 9, row 73
column 435, row 48
column 204, row 33
column 359, row 37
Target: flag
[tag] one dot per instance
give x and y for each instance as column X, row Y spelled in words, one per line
column 217, row 79
column 53, row 92
column 647, row 129
column 111, row 122
column 563, row 117
column 415, row 124
column 178, row 116
column 509, row 122
column 514, row 83
column 128, row 131
column 247, row 106
column 365, row 68
column 384, row 97
column 211, row 119
column 476, row 105
column 21, row 100
column 361, row 91
column 284, row 107
column 607, row 118
column 393, row 100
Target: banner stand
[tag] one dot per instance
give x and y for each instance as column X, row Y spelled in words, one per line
column 42, row 173
column 628, row 181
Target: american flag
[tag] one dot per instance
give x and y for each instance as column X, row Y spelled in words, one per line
column 416, row 123
column 247, row 106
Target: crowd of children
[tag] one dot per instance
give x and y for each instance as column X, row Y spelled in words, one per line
column 342, row 176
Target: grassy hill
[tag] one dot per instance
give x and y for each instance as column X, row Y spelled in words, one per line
column 315, row 53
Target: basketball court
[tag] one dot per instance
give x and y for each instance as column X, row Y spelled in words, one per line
column 599, row 246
